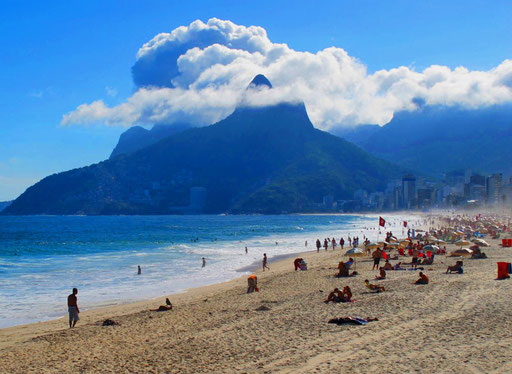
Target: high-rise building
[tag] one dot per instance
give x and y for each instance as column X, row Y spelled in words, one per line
column 494, row 183
column 408, row 191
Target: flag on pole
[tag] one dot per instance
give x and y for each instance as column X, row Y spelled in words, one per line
column 405, row 223
column 382, row 221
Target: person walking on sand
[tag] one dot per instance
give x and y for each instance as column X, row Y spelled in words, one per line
column 73, row 308
column 204, row 262
column 265, row 262
column 318, row 245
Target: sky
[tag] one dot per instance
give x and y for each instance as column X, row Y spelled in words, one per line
column 67, row 89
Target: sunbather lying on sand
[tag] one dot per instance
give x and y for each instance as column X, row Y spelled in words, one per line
column 352, row 320
column 398, row 267
column 164, row 308
column 374, row 287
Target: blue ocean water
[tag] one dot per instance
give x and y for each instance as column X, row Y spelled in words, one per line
column 43, row 257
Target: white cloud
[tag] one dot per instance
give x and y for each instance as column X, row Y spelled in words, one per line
column 199, row 73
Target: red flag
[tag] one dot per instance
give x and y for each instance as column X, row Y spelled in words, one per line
column 405, row 223
column 382, row 221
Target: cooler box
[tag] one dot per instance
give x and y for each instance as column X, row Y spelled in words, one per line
column 504, row 243
column 509, row 242
column 503, row 270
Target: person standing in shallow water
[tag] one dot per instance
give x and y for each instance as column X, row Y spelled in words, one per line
column 139, row 270
column 73, row 308
column 265, row 262
column 204, row 262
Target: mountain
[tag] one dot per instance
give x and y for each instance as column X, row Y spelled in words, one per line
column 4, row 204
column 138, row 137
column 436, row 139
column 257, row 160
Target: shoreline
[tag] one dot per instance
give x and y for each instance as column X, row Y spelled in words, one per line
column 233, row 274
column 18, row 334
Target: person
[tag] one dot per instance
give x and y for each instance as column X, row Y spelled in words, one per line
column 415, row 255
column 382, row 274
column 246, row 250
column 457, row 268
column 377, row 254
column 303, row 265
column 423, row 279
column 296, row 263
column 73, row 308
column 388, row 266
column 374, row 287
column 252, row 283
column 333, row 242
column 398, row 267
column 163, row 308
column 318, row 245
column 265, row 262
column 326, row 245
column 343, row 270
column 342, row 243
column 139, row 270
column 306, row 244
column 204, row 262
column 349, row 263
column 337, row 296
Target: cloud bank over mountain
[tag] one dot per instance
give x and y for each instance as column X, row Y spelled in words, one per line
column 199, row 73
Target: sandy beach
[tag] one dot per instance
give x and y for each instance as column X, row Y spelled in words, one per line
column 456, row 324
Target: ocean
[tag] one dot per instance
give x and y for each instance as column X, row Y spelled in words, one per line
column 43, row 257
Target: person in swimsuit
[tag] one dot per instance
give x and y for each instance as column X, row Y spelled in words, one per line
column 73, row 308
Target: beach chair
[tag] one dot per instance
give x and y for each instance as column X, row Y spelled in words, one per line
column 509, row 242
column 504, row 243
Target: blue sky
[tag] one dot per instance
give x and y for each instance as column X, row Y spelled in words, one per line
column 58, row 55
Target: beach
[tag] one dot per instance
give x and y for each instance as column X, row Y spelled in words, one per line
column 456, row 324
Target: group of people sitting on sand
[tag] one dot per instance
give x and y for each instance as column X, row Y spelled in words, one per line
column 337, row 296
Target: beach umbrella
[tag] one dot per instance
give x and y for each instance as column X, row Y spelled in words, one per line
column 481, row 243
column 354, row 252
column 462, row 252
column 430, row 247
column 461, row 243
column 372, row 245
